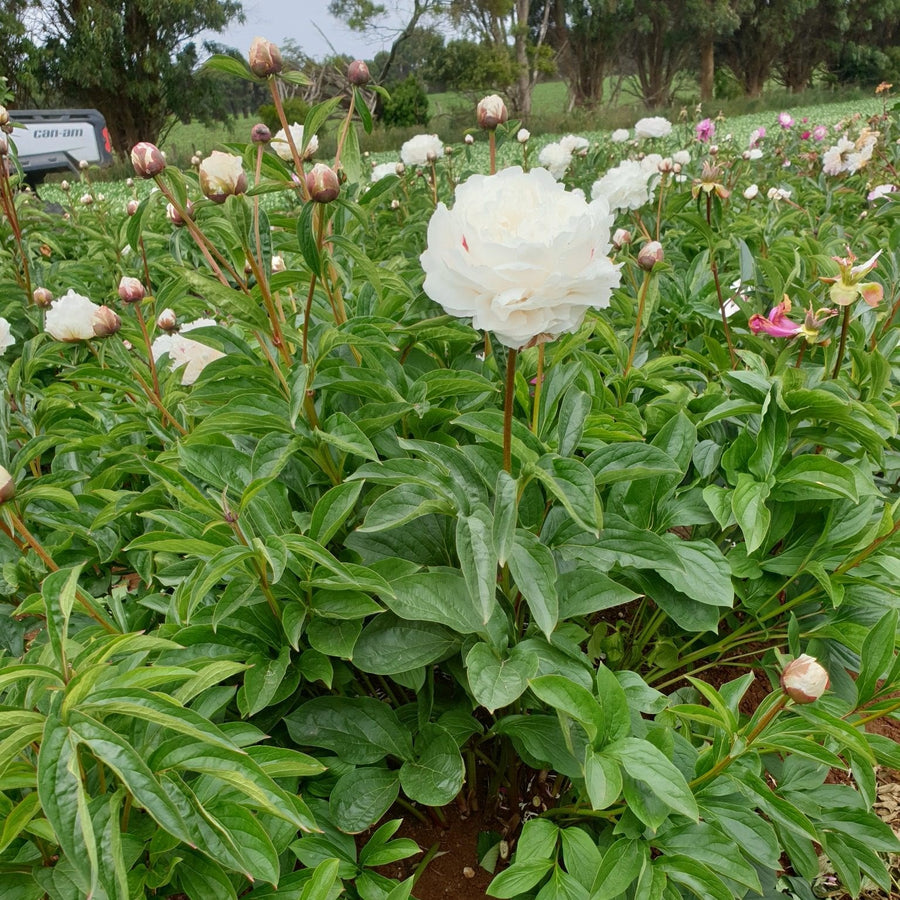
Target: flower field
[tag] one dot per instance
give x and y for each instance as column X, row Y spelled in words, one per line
column 544, row 484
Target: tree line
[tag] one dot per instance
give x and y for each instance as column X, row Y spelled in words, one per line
column 138, row 62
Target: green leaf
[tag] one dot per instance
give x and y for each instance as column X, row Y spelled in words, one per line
column 230, row 66
column 505, row 515
column 814, row 476
column 361, row 797
column 572, row 700
column 602, row 778
column 478, row 559
column 440, row 596
column 497, row 679
column 622, row 864
column 748, row 502
column 403, row 504
column 435, row 774
column 695, row 876
column 877, row 656
column 263, row 679
column 332, row 510
column 629, row 462
column 389, row 645
column 316, row 118
column 645, row 762
column 519, row 878
column 18, row 817
column 257, row 852
column 586, row 590
column 360, row 730
column 534, row 570
column 572, row 483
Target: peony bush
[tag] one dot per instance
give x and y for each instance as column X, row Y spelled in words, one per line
column 332, row 495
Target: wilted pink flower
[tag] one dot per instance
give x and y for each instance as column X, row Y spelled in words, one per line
column 820, row 132
column 785, row 120
column 849, row 285
column 777, row 323
column 804, row 679
column 705, row 131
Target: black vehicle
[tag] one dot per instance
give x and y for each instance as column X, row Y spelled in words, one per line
column 57, row 140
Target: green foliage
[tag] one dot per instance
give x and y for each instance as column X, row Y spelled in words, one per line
column 250, row 603
column 295, row 110
column 408, row 104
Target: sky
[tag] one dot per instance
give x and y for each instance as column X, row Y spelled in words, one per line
column 309, row 23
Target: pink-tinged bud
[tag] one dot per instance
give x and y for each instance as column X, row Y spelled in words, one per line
column 167, row 321
column 469, row 139
column 260, row 133
column 132, row 207
column 7, row 486
column 64, row 186
column 358, row 73
column 804, row 680
column 147, row 159
column 131, row 290
column 42, row 297
column 84, row 165
column 650, row 254
column 322, row 183
column 491, row 112
column 105, row 322
column 222, row 175
column 621, row 237
column 4, row 116
column 264, row 58
column 175, row 217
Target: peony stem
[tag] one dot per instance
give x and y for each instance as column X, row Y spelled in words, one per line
column 642, row 299
column 714, row 267
column 434, row 194
column 538, row 383
column 344, row 131
column 845, row 325
column 492, row 139
column 508, row 408
column 295, row 153
column 149, row 345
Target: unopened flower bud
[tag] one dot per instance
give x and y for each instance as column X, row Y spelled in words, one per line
column 523, row 135
column 195, row 160
column 491, row 112
column 129, row 182
column 83, row 165
column 665, row 166
column 448, row 150
column 86, row 199
column 431, row 156
column 4, row 116
column 42, row 297
column 322, row 183
column 358, row 73
column 222, row 175
column 260, row 133
column 175, row 217
column 132, row 207
column 620, row 238
column 469, row 138
column 395, row 204
column 650, row 254
column 400, row 169
column 751, row 191
column 278, row 263
column 714, row 150
column 105, row 322
column 147, row 159
column 64, row 186
column 167, row 321
column 7, row 484
column 4, row 145
column 131, row 290
column 264, row 58
column 804, row 680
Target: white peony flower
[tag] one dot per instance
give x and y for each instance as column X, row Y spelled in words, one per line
column 881, row 190
column 653, row 127
column 620, row 135
column 556, row 159
column 754, row 153
column 751, row 191
column 280, row 145
column 682, row 157
column 6, row 338
column 383, row 170
column 193, row 355
column 520, row 255
column 222, row 175
column 421, row 150
column 574, row 143
column 775, row 193
column 71, row 318
column 627, row 186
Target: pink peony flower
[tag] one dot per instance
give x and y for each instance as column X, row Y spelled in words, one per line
column 705, row 131
column 785, row 120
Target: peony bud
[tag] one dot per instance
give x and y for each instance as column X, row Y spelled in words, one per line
column 4, row 145
column 260, row 133
column 491, row 112
column 64, row 186
column 147, row 159
column 650, row 254
column 221, row 176
column 129, row 182
column 264, row 58
column 751, row 191
column 4, row 116
column 87, row 200
column 469, row 138
column 105, row 322
column 195, row 160
column 322, row 183
column 278, row 263
column 132, row 207
column 358, row 73
column 84, row 165
column 7, row 484
column 804, row 680
column 523, row 135
column 175, row 217
column 42, row 297
column 395, row 204
column 620, row 238
column 167, row 321
column 131, row 290
column 400, row 169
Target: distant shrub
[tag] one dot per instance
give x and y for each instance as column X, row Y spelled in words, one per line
column 295, row 110
column 408, row 104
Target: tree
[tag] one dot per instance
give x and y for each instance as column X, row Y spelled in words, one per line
column 134, row 60
column 17, row 52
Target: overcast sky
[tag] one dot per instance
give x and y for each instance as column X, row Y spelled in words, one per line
column 310, row 25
